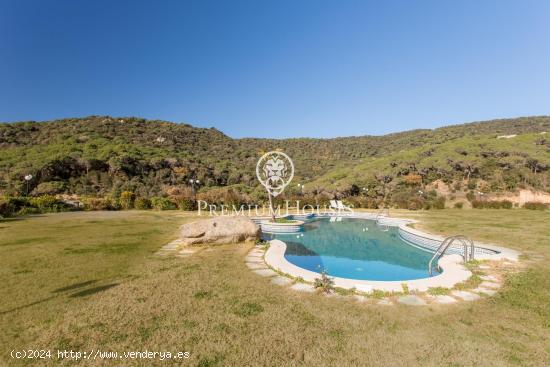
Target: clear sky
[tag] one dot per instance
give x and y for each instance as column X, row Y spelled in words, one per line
column 276, row 68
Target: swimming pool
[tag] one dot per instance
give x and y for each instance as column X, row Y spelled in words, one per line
column 354, row 249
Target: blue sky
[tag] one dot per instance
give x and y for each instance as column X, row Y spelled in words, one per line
column 276, row 68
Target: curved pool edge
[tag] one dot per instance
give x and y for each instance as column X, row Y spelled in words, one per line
column 454, row 271
column 500, row 253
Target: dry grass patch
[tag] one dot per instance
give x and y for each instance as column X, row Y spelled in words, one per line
column 211, row 305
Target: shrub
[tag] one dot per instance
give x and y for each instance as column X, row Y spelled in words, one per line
column 227, row 196
column 401, row 199
column 127, row 200
column 183, row 197
column 142, row 204
column 114, row 203
column 13, row 205
column 415, row 203
column 160, row 203
column 478, row 204
column 438, row 203
column 412, row 179
column 97, row 204
column 26, row 210
column 506, row 204
column 46, row 203
column 459, row 205
column 493, row 204
column 49, row 188
column 18, row 202
column 324, row 283
column 186, row 204
column 6, row 207
column 535, row 205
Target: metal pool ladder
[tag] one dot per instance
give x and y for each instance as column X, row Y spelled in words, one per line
column 447, row 242
column 383, row 213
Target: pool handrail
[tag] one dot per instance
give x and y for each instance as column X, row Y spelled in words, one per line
column 447, row 242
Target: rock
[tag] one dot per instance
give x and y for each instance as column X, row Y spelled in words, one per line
column 466, row 296
column 281, row 280
column 489, row 292
column 254, row 256
column 185, row 253
column 256, row 253
column 442, row 299
column 255, row 266
column 219, row 230
column 411, row 300
column 303, row 287
column 359, row 298
column 265, row 272
column 257, row 260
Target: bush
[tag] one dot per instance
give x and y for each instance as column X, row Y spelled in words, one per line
column 459, row 205
column 356, row 201
column 26, row 210
column 186, row 204
column 415, row 203
column 12, row 205
column 478, row 204
column 18, row 202
column 535, row 205
column 224, row 195
column 412, row 179
column 160, row 203
column 98, row 204
column 49, row 188
column 47, row 203
column 324, row 283
column 494, row 204
column 506, row 204
column 127, row 200
column 6, row 207
column 142, row 204
column 438, row 203
column 401, row 199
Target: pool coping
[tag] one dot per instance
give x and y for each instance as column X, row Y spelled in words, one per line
column 454, row 271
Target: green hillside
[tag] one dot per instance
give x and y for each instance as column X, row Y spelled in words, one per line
column 103, row 156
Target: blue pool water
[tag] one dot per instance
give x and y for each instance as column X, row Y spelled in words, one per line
column 356, row 249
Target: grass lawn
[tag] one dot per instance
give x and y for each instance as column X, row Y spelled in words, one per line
column 91, row 280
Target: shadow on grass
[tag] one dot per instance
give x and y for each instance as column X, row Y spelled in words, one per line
column 9, row 220
column 88, row 292
column 58, row 293
column 27, row 305
column 20, row 218
column 74, row 286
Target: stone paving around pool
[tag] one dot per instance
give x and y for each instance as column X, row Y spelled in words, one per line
column 173, row 248
column 490, row 283
column 254, row 260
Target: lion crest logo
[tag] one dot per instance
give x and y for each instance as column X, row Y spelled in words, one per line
column 275, row 170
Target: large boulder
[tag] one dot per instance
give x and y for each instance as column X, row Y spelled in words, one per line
column 219, row 230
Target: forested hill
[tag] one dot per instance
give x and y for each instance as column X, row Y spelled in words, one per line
column 101, row 155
